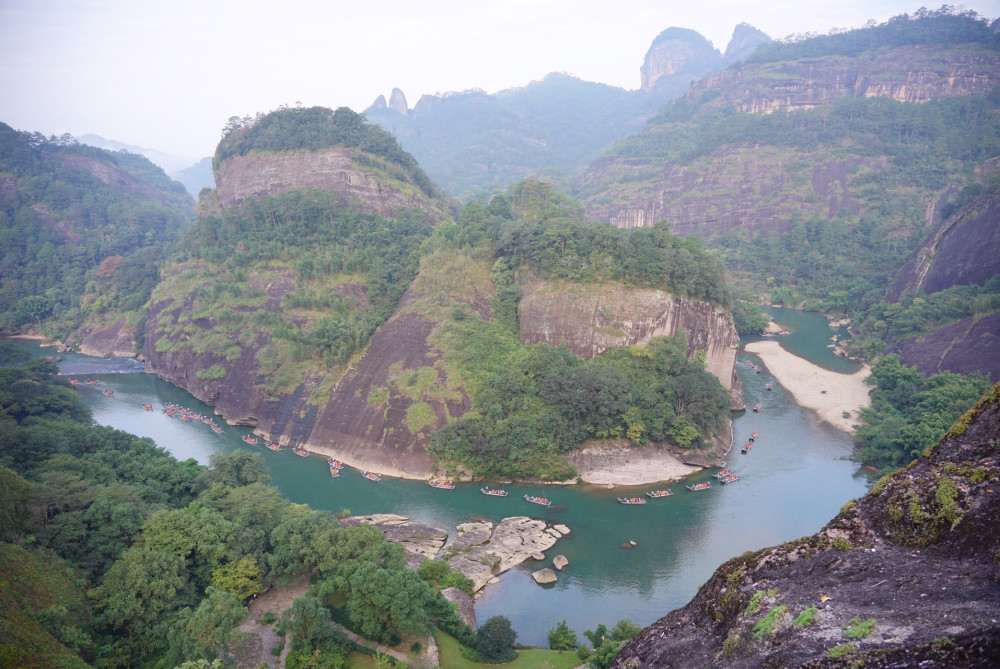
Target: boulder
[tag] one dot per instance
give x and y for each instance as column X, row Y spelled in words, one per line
column 560, row 562
column 544, row 576
column 538, row 556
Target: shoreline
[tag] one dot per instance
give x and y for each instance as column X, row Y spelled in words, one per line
column 828, row 394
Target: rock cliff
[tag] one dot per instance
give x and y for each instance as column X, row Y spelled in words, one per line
column 906, row 576
column 678, row 51
column 591, row 319
column 333, row 170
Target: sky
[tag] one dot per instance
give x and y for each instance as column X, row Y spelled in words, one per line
column 167, row 74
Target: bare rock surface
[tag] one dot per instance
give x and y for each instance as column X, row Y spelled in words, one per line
column 560, row 562
column 544, row 576
column 419, row 540
column 463, row 603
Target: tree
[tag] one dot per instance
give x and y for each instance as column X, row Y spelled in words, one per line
column 207, row 632
column 242, row 578
column 561, row 637
column 386, row 602
column 239, row 468
column 495, row 639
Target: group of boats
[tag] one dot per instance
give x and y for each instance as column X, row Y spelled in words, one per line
column 92, row 382
column 726, row 476
column 750, row 441
column 335, row 467
column 186, row 415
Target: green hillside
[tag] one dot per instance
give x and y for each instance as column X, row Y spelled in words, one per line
column 83, row 232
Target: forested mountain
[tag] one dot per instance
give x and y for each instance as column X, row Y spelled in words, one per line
column 473, row 143
column 314, row 299
column 82, row 234
column 817, row 167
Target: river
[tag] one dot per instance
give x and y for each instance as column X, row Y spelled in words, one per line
column 792, row 482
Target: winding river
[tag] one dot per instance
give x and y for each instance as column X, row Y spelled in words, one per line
column 792, row 482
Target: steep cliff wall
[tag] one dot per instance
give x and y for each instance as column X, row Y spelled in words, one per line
column 903, row 577
column 332, row 170
column 591, row 319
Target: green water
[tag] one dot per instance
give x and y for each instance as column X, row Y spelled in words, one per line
column 793, row 481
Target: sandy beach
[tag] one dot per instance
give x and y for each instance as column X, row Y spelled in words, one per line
column 827, row 393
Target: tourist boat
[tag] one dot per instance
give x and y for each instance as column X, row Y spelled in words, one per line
column 216, row 429
column 496, row 492
column 722, row 474
column 334, row 471
column 746, row 447
column 91, row 382
column 538, row 500
column 660, row 493
column 147, row 407
column 372, row 476
column 756, row 407
column 109, row 393
column 73, row 381
column 246, row 437
column 732, row 478
column 444, row 485
column 273, row 445
column 301, row 452
column 754, row 435
column 700, row 486
column 336, row 464
column 631, row 500
column 767, row 386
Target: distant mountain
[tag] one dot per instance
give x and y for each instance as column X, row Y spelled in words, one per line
column 196, row 177
column 474, row 143
column 169, row 162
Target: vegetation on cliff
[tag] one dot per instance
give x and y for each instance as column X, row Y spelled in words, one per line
column 84, row 232
column 317, row 128
column 118, row 555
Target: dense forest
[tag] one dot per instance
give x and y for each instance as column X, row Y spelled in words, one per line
column 122, row 556
column 83, row 232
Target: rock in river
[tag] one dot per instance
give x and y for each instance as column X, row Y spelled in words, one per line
column 544, row 576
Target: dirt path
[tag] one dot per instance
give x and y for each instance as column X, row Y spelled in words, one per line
column 257, row 649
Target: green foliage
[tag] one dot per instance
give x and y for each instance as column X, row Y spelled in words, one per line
column 910, row 412
column 237, row 469
column 242, row 578
column 495, row 639
column 766, row 625
column 208, row 631
column 859, row 629
column 842, row 544
column 807, row 617
column 561, row 637
column 76, row 246
column 841, row 650
column 213, row 373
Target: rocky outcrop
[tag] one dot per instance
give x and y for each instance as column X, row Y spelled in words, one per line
column 397, row 102
column 560, row 562
column 965, row 250
column 970, row 345
column 743, row 43
column 544, row 576
column 420, row 541
column 333, row 170
column 622, row 463
column 464, row 605
column 115, row 340
column 906, row 576
column 678, row 51
column 510, row 543
column 591, row 319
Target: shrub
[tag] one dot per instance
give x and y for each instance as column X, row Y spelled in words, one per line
column 561, row 637
column 859, row 629
column 495, row 639
column 807, row 617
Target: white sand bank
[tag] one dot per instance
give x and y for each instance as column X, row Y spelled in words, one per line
column 827, row 393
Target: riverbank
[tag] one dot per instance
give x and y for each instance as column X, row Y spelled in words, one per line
column 620, row 464
column 829, row 394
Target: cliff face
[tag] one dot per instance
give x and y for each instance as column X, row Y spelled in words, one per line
column 332, row 170
column 678, row 51
column 593, row 319
column 903, row 577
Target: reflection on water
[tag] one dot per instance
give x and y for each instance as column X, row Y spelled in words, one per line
column 792, row 482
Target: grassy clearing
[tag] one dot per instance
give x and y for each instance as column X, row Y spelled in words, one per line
column 451, row 657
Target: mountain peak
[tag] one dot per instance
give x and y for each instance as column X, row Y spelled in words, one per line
column 744, row 42
column 678, row 53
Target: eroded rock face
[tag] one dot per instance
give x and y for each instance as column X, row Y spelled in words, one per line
column 593, row 319
column 115, row 340
column 463, row 603
column 915, row 557
column 331, row 170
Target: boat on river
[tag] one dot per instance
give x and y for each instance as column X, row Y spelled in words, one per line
column 147, row 407
column 334, row 471
column 301, row 452
column 723, row 473
column 631, row 500
column 443, row 485
column 753, row 436
column 699, row 486
column 732, row 478
column 335, row 463
column 756, row 407
column 248, row 439
column 273, row 445
column 746, row 447
column 538, row 500
column 495, row 492
column 660, row 493
column 768, row 386
column 371, row 476
column 109, row 393
column 216, row 429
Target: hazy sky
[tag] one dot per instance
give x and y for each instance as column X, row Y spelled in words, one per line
column 167, row 74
